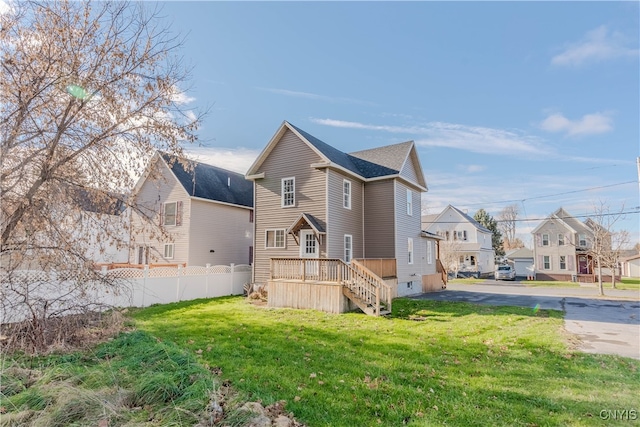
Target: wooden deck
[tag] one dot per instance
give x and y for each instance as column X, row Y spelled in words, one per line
column 329, row 285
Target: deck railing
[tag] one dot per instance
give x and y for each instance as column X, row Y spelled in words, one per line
column 382, row 267
column 443, row 272
column 370, row 289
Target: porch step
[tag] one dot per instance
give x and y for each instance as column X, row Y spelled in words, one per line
column 362, row 305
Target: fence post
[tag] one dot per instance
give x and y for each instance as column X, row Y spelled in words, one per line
column 233, row 268
column 178, row 282
column 145, row 275
column 206, row 281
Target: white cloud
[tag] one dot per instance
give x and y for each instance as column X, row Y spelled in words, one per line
column 469, row 138
column 472, row 168
column 234, row 159
column 596, row 45
column 589, row 124
column 180, row 97
column 313, row 96
column 5, row 7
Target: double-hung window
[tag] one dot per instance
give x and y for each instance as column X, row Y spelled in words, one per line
column 346, row 194
column 409, row 202
column 170, row 213
column 348, row 247
column 168, row 250
column 429, row 252
column 563, row 262
column 288, row 192
column 546, row 262
column 560, row 239
column 582, row 240
column 410, row 249
column 274, row 239
column 545, row 240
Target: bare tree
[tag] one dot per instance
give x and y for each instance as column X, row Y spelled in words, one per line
column 611, row 259
column 87, row 93
column 601, row 243
column 450, row 256
column 507, row 225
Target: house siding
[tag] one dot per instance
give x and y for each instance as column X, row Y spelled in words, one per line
column 343, row 221
column 159, row 188
column 290, row 157
column 379, row 220
column 409, row 170
column 224, row 229
column 408, row 226
column 554, row 251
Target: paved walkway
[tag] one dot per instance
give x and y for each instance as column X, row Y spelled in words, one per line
column 606, row 325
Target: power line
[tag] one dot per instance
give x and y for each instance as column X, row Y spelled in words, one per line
column 553, row 195
column 636, row 211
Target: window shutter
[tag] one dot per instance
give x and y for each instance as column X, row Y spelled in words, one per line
column 569, row 262
column 538, row 240
column 179, row 213
column 540, row 265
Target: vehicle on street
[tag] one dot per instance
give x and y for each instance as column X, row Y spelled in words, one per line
column 505, row 272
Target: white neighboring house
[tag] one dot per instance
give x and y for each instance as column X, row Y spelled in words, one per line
column 464, row 236
column 205, row 211
column 105, row 226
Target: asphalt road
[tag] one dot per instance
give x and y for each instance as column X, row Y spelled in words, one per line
column 605, row 325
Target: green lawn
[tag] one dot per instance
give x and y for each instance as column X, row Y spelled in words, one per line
column 430, row 363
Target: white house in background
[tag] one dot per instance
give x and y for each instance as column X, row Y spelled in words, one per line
column 105, row 226
column 522, row 261
column 205, row 214
column 464, row 237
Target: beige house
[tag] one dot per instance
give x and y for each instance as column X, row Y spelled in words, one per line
column 561, row 248
column 630, row 266
column 357, row 214
column 466, row 243
column 196, row 214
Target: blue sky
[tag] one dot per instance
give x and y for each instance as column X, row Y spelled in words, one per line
column 508, row 102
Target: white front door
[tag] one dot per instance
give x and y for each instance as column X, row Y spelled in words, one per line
column 309, row 249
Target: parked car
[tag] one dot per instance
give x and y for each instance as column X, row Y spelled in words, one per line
column 505, row 272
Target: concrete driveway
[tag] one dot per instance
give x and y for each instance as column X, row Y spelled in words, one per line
column 606, row 325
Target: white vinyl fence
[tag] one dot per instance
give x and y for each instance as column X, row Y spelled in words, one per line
column 134, row 288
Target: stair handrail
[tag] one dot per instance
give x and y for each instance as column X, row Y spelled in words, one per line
column 384, row 291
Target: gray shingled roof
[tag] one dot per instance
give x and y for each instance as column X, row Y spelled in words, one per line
column 471, row 220
column 390, row 156
column 355, row 164
column 211, row 182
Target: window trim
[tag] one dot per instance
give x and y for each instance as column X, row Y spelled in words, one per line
column 175, row 213
column 409, row 202
column 561, row 241
column 275, row 238
column 293, row 192
column 348, row 237
column 346, row 195
column 563, row 262
column 172, row 250
column 410, row 250
column 582, row 238
column 546, row 262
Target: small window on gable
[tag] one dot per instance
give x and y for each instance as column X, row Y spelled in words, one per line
column 409, row 202
column 545, row 240
column 410, row 249
column 168, row 250
column 274, row 239
column 346, row 194
column 170, row 213
column 288, row 192
column 348, row 247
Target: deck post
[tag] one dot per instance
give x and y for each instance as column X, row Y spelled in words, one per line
column 378, row 303
column 304, row 270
